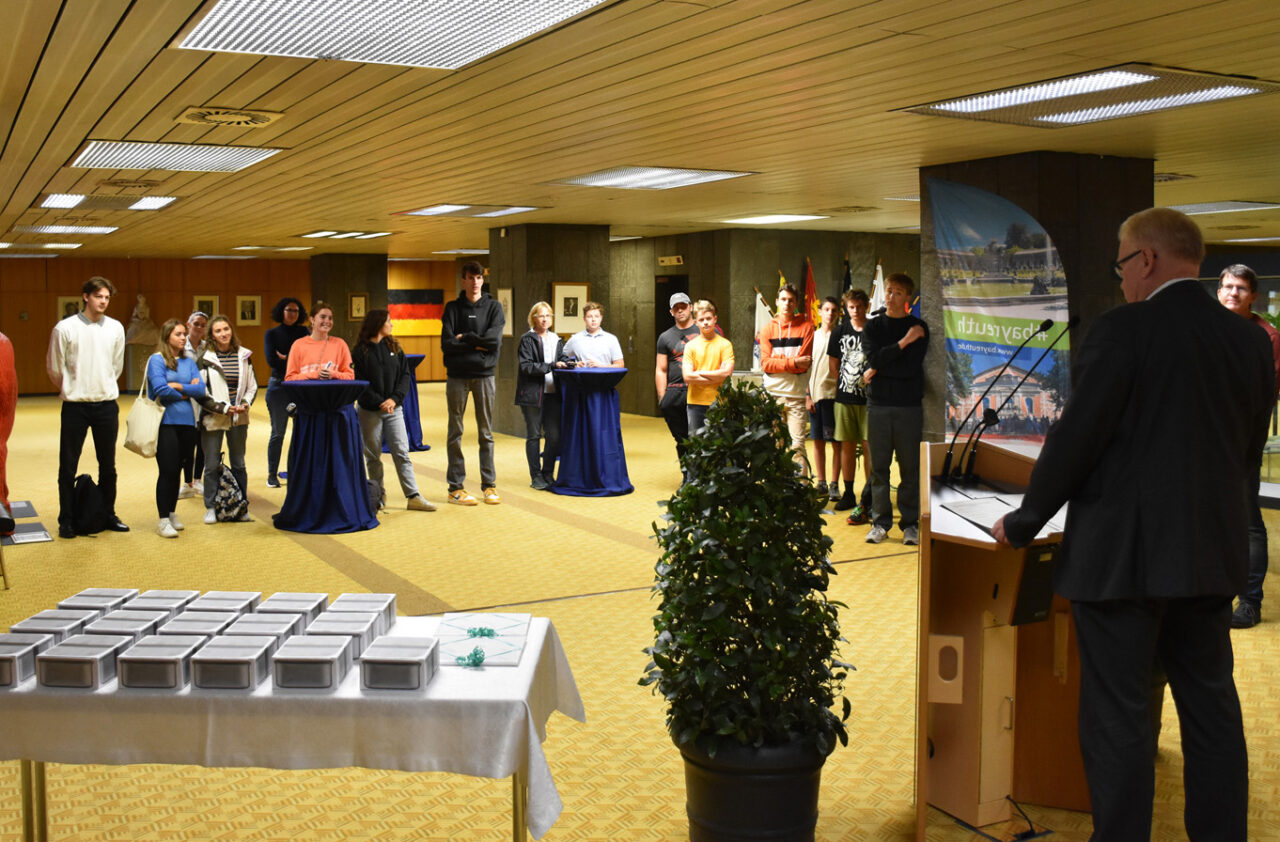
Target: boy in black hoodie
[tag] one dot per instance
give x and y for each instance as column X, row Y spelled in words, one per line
column 470, row 336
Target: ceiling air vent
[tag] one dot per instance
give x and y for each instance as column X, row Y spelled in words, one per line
column 129, row 184
column 234, row 117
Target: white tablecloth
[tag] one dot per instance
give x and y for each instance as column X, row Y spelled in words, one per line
column 488, row 722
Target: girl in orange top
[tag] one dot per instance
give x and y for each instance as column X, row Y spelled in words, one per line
column 320, row 356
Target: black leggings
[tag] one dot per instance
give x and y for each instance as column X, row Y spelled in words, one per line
column 174, row 441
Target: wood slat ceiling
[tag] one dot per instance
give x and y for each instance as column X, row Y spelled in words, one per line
column 806, row 93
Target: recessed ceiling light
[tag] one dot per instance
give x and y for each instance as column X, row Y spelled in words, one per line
column 403, row 32
column 372, row 236
column 247, row 248
column 223, row 257
column 1253, row 240
column 65, row 229
column 1071, row 86
column 152, row 202
column 507, row 211
column 774, row 218
column 1223, row 207
column 295, row 248
column 62, row 200
column 1107, row 94
column 62, row 245
column 462, row 251
column 437, row 210
column 320, row 234
column 1143, row 106
column 183, row 157
column 649, row 178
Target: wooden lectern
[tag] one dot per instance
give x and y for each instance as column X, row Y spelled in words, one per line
column 998, row 676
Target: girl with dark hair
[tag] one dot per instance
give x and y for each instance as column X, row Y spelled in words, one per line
column 319, row 356
column 173, row 380
column 379, row 359
column 231, row 385
column 291, row 317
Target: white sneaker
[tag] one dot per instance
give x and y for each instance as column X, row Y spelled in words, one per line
column 418, row 503
column 876, row 535
column 185, row 492
column 911, row 536
column 177, row 524
column 197, row 486
column 165, row 529
column 209, row 516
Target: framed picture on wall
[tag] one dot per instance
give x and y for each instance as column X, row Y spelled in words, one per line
column 248, row 310
column 567, row 301
column 357, row 306
column 504, row 298
column 210, row 305
column 68, row 305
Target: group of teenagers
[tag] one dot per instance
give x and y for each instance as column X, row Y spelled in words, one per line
column 857, row 383
column 203, row 378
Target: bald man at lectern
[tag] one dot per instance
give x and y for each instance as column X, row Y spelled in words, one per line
column 1156, row 451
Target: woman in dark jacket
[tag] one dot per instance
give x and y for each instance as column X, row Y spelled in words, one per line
column 379, row 359
column 539, row 353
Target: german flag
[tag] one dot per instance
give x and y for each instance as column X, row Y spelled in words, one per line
column 416, row 312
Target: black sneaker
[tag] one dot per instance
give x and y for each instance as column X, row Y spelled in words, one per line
column 273, row 481
column 538, row 483
column 67, row 532
column 847, row 502
column 1246, row 616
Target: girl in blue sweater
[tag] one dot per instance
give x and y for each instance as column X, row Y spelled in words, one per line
column 173, row 380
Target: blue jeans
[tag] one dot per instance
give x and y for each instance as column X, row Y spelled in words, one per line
column 276, row 403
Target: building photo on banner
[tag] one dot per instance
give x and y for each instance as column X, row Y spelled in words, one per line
column 1001, row 279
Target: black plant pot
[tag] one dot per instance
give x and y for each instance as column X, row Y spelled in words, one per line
column 744, row 794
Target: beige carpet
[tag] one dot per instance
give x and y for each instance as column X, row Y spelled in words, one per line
column 585, row 563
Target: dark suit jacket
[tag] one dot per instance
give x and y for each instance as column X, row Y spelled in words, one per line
column 1157, row 451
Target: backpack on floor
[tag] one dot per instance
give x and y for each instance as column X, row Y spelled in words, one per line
column 229, row 502
column 90, row 513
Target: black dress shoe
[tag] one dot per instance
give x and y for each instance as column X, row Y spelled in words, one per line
column 117, row 526
column 67, row 532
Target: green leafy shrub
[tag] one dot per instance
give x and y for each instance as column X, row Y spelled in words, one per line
column 746, row 640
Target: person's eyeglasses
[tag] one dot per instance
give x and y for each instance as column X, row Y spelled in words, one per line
column 1118, row 265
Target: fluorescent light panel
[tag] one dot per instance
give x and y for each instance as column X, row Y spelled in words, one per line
column 470, row 211
column 182, row 157
column 61, row 245
column 65, row 229
column 314, row 234
column 914, row 197
column 649, row 178
column 1200, row 208
column 1253, row 240
column 774, row 219
column 622, row 239
column 152, row 202
column 437, row 210
column 507, row 211
column 462, row 251
column 62, row 200
column 1111, row 93
column 374, row 235
column 414, row 33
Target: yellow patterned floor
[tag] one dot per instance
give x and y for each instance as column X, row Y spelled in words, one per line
column 585, row 563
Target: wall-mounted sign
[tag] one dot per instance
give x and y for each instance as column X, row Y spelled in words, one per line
column 671, row 260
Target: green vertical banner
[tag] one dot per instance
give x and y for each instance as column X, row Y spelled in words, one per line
column 1001, row 278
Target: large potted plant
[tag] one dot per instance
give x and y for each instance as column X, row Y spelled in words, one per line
column 746, row 640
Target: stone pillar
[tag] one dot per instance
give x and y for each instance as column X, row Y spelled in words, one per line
column 1079, row 199
column 337, row 277
column 528, row 259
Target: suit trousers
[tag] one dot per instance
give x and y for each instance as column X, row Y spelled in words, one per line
column 1119, row 641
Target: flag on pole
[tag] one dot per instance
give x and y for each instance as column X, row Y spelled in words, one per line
column 763, row 317
column 877, row 289
column 812, row 303
column 782, row 279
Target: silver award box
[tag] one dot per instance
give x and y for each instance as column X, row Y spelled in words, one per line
column 82, row 661
column 206, row 623
column 100, row 599
column 360, row 626
column 170, row 605
column 232, row 663
column 399, row 663
column 160, row 662
column 132, row 624
column 59, row 622
column 241, row 602
column 309, row 605
column 278, row 626
column 18, row 652
column 380, row 603
column 182, row 596
column 317, row 662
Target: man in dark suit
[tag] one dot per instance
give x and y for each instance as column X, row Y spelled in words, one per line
column 1156, row 451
